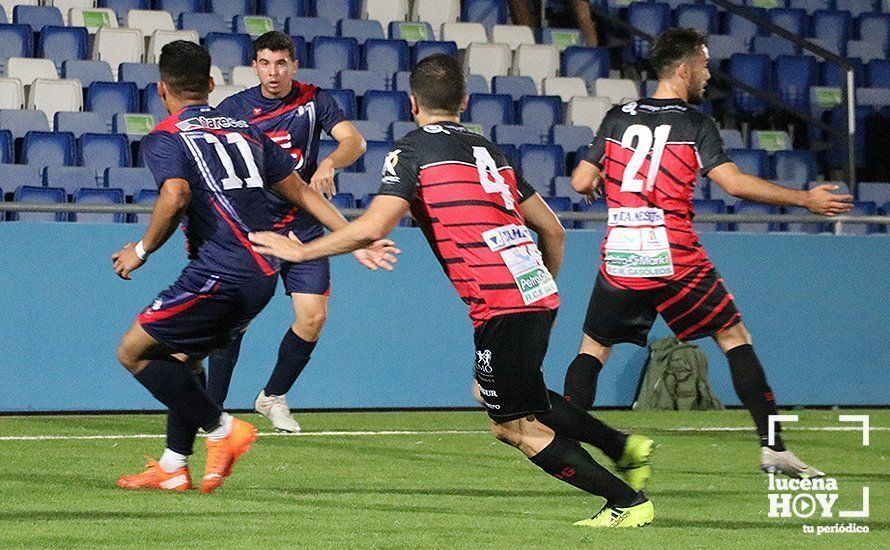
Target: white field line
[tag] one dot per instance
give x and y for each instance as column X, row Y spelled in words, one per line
column 412, row 432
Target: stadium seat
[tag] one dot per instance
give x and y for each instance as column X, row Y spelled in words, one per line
column 12, row 94
column 161, row 38
column 79, row 123
column 385, row 107
column 596, row 207
column 19, row 122
column 514, row 86
column 116, row 46
column 436, row 12
column 773, row 46
column 244, row 76
column 539, row 62
column 876, row 192
column 310, row 27
column 425, row 48
column 385, row 56
column 386, row 11
column 149, row 21
column 810, row 228
column 570, row 138
column 360, row 30
column 561, row 186
column 702, row 17
column 140, row 74
column 63, row 43
column 101, row 151
column 794, row 75
column 770, row 140
column 753, row 69
column 512, row 35
column 487, row 12
column 878, row 73
column 794, row 167
column 29, row 70
column 69, row 178
column 463, row 34
column 411, row 31
column 617, row 90
column 121, row 7
column 877, row 97
column 92, row 18
column 337, row 9
column 98, row 196
column 401, row 81
column 702, row 206
column 130, row 180
column 362, row 81
column 741, row 28
column 650, row 17
column 203, row 23
column 541, row 163
column 401, row 128
column 145, row 197
column 560, row 204
column 15, row 175
column 587, row 111
column 751, row 161
column 833, row 75
column 253, row 25
column 866, row 50
column 751, row 208
column 109, row 98
column 565, row 87
column 586, row 63
column 334, row 54
column 27, row 193
column 281, row 10
column 177, row 7
column 134, row 125
column 318, row 77
column 477, row 84
column 561, row 38
column 515, row 134
column 230, row 8
column 371, row 130
column 875, row 28
column 488, row 60
column 832, row 27
column 87, row 71
column 857, row 7
column 15, row 41
column 346, row 101
column 793, row 20
column 489, row 110
column 7, row 151
column 372, row 160
column 220, row 93
column 732, row 139
column 343, row 201
column 64, row 6
column 51, row 96
column 37, row 17
column 229, row 50
column 722, row 46
column 540, row 112
column 47, row 149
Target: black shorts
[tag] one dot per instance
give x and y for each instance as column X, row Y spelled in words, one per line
column 695, row 306
column 510, row 352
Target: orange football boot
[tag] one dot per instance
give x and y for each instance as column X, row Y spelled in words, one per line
column 155, row 477
column 222, row 454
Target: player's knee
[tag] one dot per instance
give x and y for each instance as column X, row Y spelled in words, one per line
column 477, row 394
column 507, row 432
column 734, row 336
column 126, row 356
column 309, row 324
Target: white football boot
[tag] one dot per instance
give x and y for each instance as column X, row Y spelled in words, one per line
column 274, row 407
column 784, row 462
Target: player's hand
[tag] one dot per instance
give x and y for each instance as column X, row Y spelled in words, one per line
column 380, row 254
column 821, row 200
column 323, row 179
column 594, row 192
column 288, row 248
column 125, row 261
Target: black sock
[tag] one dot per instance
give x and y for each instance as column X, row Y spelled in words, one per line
column 751, row 386
column 568, row 420
column 176, row 385
column 566, row 460
column 221, row 363
column 581, row 377
column 293, row 354
column 180, row 432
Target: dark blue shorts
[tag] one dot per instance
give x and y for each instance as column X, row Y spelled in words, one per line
column 199, row 312
column 312, row 277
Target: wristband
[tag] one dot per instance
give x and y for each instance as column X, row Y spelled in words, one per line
column 140, row 251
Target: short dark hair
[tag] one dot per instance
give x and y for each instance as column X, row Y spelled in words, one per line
column 674, row 46
column 275, row 41
column 185, row 69
column 438, row 84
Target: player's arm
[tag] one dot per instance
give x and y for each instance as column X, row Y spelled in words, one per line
column 551, row 234
column 350, row 147
column 295, row 191
column 819, row 200
column 173, row 199
column 586, row 179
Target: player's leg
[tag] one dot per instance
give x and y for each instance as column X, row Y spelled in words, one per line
column 180, row 432
column 583, row 372
column 221, row 364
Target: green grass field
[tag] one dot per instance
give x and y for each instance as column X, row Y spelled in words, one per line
column 447, row 484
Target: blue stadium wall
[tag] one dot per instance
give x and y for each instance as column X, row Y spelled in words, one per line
column 817, row 307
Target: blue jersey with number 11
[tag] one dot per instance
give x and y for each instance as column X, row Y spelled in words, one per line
column 228, row 166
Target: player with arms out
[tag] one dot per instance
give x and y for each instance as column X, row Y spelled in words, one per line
column 473, row 210
column 217, row 174
column 293, row 115
column 646, row 155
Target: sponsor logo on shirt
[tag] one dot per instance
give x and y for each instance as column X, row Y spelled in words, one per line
column 212, row 123
column 633, row 217
column 506, row 236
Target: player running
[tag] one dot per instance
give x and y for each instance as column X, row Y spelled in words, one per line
column 293, row 115
column 217, row 174
column 647, row 154
column 466, row 198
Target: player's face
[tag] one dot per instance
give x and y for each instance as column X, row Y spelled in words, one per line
column 698, row 77
column 276, row 71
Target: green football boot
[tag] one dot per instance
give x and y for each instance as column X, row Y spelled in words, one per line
column 615, row 516
column 635, row 464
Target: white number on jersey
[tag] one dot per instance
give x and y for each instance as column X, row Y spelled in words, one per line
column 491, row 179
column 644, row 137
column 232, row 181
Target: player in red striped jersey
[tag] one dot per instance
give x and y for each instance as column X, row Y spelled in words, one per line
column 646, row 155
column 473, row 210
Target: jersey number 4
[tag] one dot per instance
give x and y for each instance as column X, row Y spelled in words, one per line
column 491, row 179
column 647, row 140
column 232, row 181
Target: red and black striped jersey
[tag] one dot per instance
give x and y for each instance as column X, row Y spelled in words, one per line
column 465, row 197
column 650, row 152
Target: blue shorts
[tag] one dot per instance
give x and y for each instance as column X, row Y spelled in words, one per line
column 312, row 277
column 199, row 312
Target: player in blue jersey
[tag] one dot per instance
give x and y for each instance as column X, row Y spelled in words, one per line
column 220, row 177
column 293, row 115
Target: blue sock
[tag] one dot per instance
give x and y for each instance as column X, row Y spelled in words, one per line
column 176, row 385
column 293, row 354
column 221, row 364
column 180, row 432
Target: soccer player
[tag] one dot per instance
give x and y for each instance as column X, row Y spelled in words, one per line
column 473, row 211
column 646, row 155
column 217, row 173
column 293, row 115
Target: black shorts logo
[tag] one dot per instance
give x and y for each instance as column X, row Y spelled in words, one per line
column 483, row 361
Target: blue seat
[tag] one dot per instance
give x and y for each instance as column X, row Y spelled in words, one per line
column 15, row 41
column 230, row 8
column 832, row 74
column 489, row 110
column 301, row 50
column 753, row 208
column 229, row 50
column 37, row 17
column 372, row 160
column 121, row 7
column 866, row 50
column 385, row 107
column 27, row 193
column 773, row 46
column 722, row 46
column 753, row 69
column 15, row 175
column 337, row 9
column 400, row 129
column 145, row 197
column 178, row 7
column 130, row 180
column 281, row 10
column 650, row 17
column 386, row 56
column 346, row 100
column 7, row 151
column 334, row 54
column 515, row 134
column 571, row 138
column 540, row 111
column 512, row 154
column 360, row 29
column 732, row 139
column 793, row 20
column 586, row 63
column 80, row 123
column 560, row 204
column 877, row 192
column 63, row 43
column 401, row 81
column 98, row 196
column 362, row 81
column 704, row 206
column 87, row 71
column 19, row 122
column 794, row 77
column 152, row 104
column 204, row 23
column 750, row 161
column 358, row 184
column 702, row 17
column 426, row 48
column 318, row 77
column 833, row 27
column 487, row 12
column 742, row 28
column 141, row 74
column 811, row 6
column 562, row 187
column 69, row 178
column 365, row 201
column 104, row 150
column 514, row 86
column 856, row 7
column 343, row 201
column 48, row 149
column 477, row 84
column 109, row 98
column 370, row 130
column 794, row 167
column 596, row 207
column 310, row 27
column 878, row 73
column 810, row 228
column 541, row 163
column 875, row 27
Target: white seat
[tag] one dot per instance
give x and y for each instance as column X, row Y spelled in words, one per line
column 12, row 94
column 160, row 38
column 565, row 87
column 436, row 12
column 618, row 90
column 463, row 34
column 28, row 70
column 65, row 5
column 149, row 21
column 51, row 96
column 538, row 61
column 8, row 5
column 92, row 18
column 386, row 11
column 217, row 75
column 221, row 92
column 588, row 111
column 488, row 60
column 116, row 46
column 244, row 76
column 512, row 35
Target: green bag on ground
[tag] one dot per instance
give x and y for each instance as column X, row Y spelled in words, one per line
column 676, row 379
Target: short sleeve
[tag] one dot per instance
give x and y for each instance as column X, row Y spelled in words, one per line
column 597, row 148
column 400, row 172
column 165, row 156
column 277, row 163
column 709, row 145
column 328, row 111
column 230, row 107
column 526, row 191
